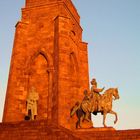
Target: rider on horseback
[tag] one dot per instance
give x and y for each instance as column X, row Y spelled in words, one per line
column 96, row 94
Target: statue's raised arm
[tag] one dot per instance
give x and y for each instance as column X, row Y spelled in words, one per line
column 94, row 87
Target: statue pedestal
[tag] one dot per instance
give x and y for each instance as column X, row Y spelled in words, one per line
column 94, row 129
column 87, row 125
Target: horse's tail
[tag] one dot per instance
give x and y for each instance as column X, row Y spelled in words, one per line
column 71, row 112
column 74, row 109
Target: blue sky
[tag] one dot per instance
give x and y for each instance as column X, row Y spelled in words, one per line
column 112, row 30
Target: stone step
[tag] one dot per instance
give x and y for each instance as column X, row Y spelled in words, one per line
column 35, row 130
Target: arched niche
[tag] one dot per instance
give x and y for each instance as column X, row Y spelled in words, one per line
column 74, row 70
column 40, row 76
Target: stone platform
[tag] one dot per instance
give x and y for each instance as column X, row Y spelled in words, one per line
column 108, row 134
column 45, row 130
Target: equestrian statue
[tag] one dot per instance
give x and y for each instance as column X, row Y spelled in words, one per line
column 94, row 102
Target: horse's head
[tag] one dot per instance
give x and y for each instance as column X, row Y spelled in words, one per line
column 74, row 108
column 116, row 93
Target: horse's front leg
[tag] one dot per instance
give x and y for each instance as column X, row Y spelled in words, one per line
column 104, row 117
column 77, row 123
column 88, row 116
column 116, row 117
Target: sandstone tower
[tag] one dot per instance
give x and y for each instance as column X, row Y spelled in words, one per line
column 49, row 54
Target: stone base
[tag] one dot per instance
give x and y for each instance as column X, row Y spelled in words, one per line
column 45, row 130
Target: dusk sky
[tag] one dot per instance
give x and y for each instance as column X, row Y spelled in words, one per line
column 112, row 30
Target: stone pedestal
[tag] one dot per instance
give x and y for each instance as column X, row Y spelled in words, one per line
column 87, row 125
column 95, row 129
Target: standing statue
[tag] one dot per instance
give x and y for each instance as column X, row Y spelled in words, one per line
column 96, row 95
column 32, row 100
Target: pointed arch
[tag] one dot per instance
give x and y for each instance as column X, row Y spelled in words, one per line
column 74, row 68
column 40, row 75
column 47, row 56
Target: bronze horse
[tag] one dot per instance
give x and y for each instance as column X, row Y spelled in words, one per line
column 105, row 103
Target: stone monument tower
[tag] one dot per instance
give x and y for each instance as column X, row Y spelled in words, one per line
column 49, row 55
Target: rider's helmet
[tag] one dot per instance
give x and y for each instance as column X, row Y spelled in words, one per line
column 93, row 82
